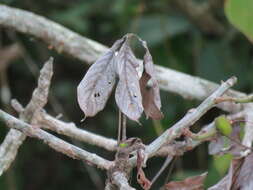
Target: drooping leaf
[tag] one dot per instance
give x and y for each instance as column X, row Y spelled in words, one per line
column 128, row 96
column 97, row 85
column 150, row 95
column 240, row 15
column 191, row 183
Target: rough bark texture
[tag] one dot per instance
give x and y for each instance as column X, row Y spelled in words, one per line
column 14, row 138
column 54, row 142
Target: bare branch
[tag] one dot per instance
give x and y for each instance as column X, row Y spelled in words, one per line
column 70, row 130
column 40, row 94
column 248, row 116
column 205, row 134
column 9, row 148
column 189, row 119
column 55, row 35
column 54, row 142
column 14, row 138
column 47, row 121
column 121, row 181
column 191, row 87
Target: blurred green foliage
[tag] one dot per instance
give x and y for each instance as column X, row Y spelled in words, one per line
column 240, row 14
column 176, row 41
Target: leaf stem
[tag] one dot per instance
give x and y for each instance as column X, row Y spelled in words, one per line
column 122, row 127
column 119, row 126
column 204, row 136
column 124, row 137
column 242, row 100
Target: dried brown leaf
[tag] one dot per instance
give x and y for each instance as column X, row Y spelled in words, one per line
column 97, row 85
column 150, row 95
column 141, row 178
column 128, row 96
column 191, row 183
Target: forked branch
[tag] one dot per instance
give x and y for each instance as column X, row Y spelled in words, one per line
column 54, row 142
column 189, row 119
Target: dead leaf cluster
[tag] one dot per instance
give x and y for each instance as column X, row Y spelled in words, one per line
column 132, row 93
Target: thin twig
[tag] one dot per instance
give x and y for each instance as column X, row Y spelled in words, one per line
column 121, row 181
column 164, row 166
column 248, row 133
column 124, row 137
column 54, row 142
column 14, row 138
column 246, row 99
column 189, row 119
column 119, row 126
column 71, row 130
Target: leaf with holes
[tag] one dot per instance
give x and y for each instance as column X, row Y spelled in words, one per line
column 128, row 95
column 97, row 85
column 150, row 95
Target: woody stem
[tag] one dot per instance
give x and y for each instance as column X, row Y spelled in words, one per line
column 119, row 127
